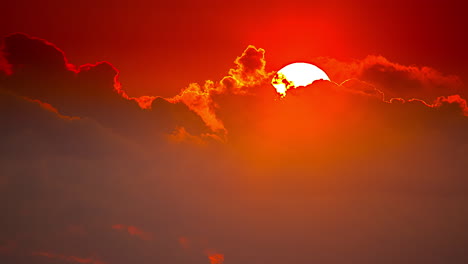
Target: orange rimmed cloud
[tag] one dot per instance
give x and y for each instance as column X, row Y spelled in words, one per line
column 398, row 80
column 27, row 54
column 335, row 140
column 52, row 109
column 181, row 135
column 394, row 79
column 454, row 102
column 199, row 99
column 326, row 122
column 249, row 71
column 41, row 71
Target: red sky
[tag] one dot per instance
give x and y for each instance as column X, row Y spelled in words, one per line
column 212, row 166
column 162, row 46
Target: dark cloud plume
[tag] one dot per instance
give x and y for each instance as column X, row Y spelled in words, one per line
column 368, row 169
column 27, row 53
column 394, row 79
column 407, row 81
column 42, row 72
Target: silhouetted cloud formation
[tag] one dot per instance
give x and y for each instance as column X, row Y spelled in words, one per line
column 395, row 80
column 227, row 171
column 43, row 73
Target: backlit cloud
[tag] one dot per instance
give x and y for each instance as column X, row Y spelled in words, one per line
column 93, row 174
column 394, row 79
column 249, row 71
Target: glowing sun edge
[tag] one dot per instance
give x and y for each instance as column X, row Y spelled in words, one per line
column 301, row 69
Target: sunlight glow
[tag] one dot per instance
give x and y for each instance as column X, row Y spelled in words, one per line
column 295, row 75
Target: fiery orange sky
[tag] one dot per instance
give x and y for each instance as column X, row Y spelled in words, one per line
column 162, row 46
column 150, row 132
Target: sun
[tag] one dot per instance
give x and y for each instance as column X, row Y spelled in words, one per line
column 295, row 75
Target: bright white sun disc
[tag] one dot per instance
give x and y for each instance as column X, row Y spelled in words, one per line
column 295, row 75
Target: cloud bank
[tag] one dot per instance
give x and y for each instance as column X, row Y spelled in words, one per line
column 336, row 172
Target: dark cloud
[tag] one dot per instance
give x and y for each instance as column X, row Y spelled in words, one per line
column 393, row 79
column 331, row 173
column 5, row 68
column 250, row 69
column 25, row 53
column 407, row 82
column 249, row 72
column 31, row 127
column 59, row 172
column 42, row 72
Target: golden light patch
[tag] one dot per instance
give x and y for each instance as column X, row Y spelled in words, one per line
column 295, row 75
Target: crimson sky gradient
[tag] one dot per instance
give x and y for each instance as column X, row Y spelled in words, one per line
column 149, row 132
column 173, row 43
